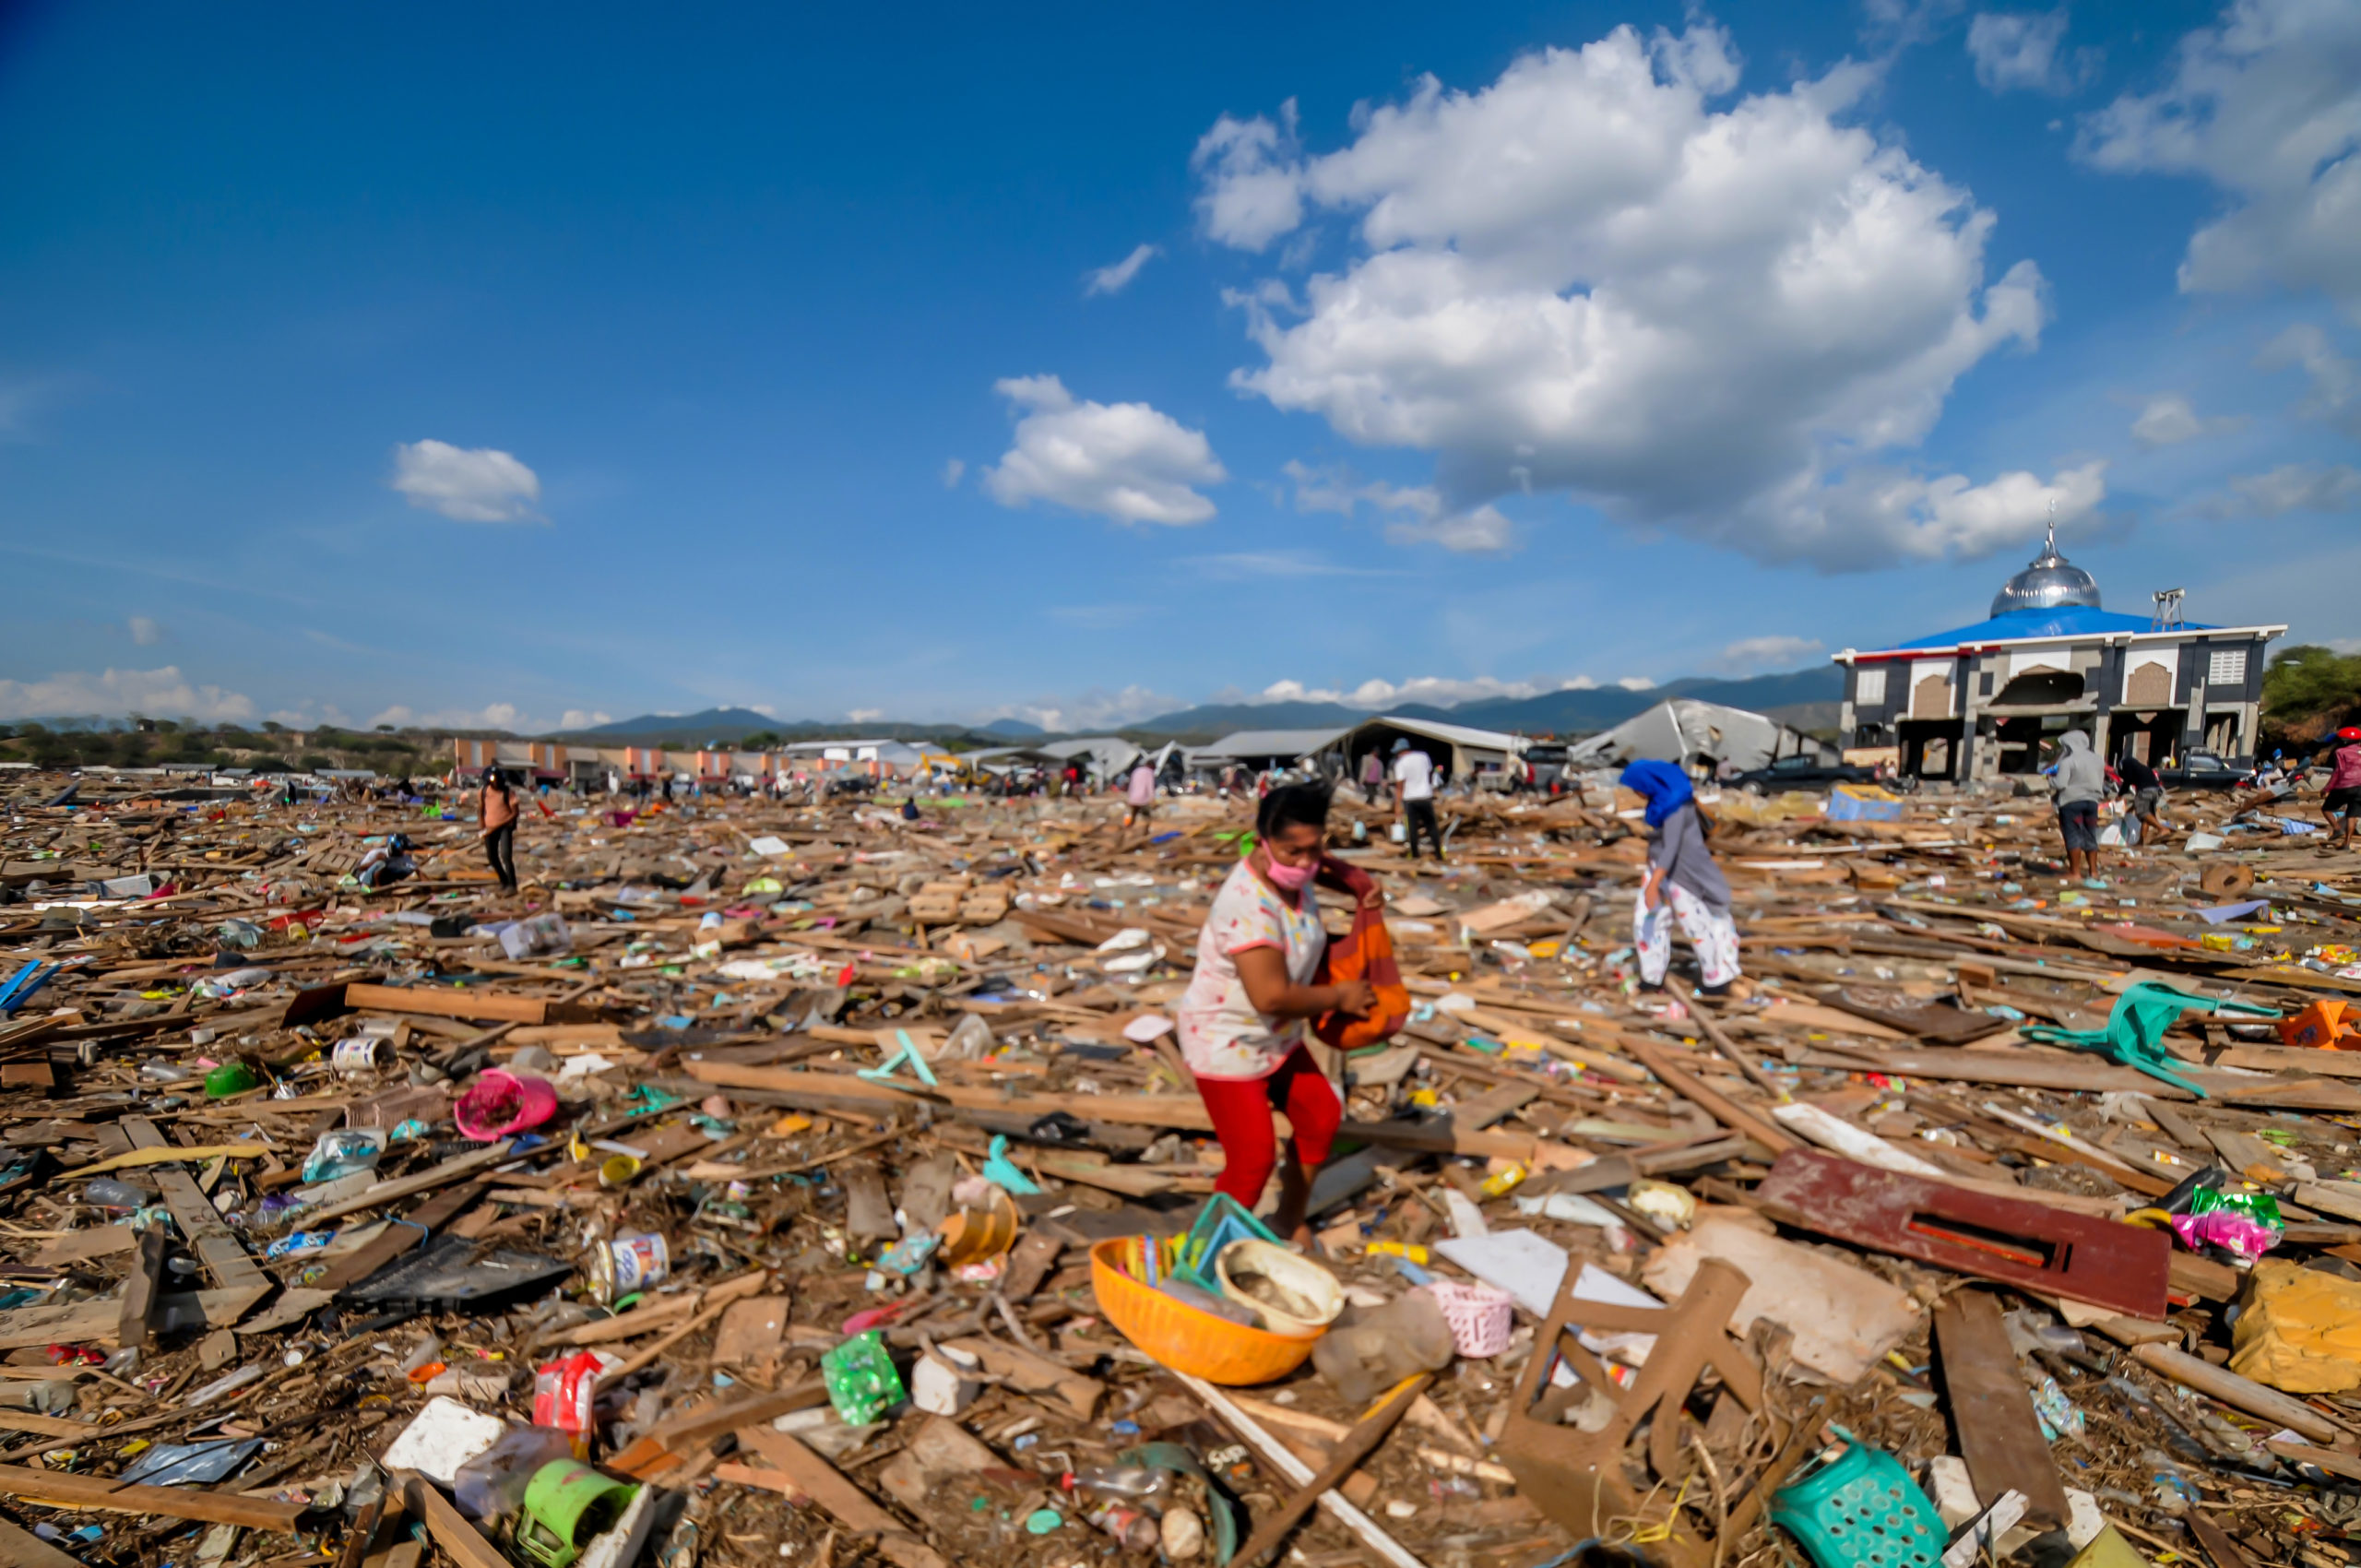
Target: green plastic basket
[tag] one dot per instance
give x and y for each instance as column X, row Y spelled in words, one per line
column 1861, row 1510
column 1223, row 1220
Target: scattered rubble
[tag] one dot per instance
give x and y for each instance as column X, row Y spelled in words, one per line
column 821, row 1182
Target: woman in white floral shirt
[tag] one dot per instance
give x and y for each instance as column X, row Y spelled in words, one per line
column 1241, row 1024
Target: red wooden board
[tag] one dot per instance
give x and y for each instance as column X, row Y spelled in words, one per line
column 2011, row 1240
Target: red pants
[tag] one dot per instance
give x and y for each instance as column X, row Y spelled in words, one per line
column 1241, row 1112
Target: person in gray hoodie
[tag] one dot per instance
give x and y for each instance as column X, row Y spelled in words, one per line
column 2082, row 779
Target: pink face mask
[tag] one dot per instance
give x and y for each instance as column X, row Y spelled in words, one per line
column 1293, row 878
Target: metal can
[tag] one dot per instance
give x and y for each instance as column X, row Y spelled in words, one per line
column 628, row 1264
column 361, row 1053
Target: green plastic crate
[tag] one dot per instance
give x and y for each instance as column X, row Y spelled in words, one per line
column 1861, row 1510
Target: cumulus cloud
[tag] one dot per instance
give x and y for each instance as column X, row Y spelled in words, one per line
column 2293, row 487
column 495, row 716
column 579, row 719
column 2019, row 52
column 159, row 694
column 2336, row 381
column 145, row 631
column 2266, row 105
column 952, row 469
column 1748, row 655
column 476, row 484
column 1420, row 516
column 1122, row 461
column 864, row 714
column 1116, row 279
column 1588, row 277
column 2166, row 420
column 1435, row 691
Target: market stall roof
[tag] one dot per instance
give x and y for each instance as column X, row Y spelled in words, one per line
column 1272, row 743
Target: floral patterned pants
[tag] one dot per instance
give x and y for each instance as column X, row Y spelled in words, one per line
column 1710, row 930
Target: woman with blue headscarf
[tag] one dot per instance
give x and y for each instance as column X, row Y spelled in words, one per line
column 1683, row 884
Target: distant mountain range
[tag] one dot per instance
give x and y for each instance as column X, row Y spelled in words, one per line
column 1569, row 712
column 1806, row 698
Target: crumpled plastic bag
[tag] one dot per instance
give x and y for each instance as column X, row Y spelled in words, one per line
column 2299, row 1330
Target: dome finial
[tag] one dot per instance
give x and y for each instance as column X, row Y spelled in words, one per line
column 2050, row 581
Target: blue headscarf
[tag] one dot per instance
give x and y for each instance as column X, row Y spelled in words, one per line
column 1664, row 785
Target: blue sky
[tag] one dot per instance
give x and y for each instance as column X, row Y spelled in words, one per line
column 514, row 366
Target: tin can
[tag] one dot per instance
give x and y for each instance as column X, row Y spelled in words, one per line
column 633, row 1261
column 361, row 1053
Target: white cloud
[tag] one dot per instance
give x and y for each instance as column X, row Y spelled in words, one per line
column 2336, row 381
column 470, row 484
column 1253, row 189
column 158, row 694
column 1584, row 277
column 496, row 715
column 1116, row 279
column 1421, row 514
column 1748, row 655
column 145, row 631
column 1122, row 461
column 578, row 719
column 864, row 714
column 2019, row 52
column 1636, row 683
column 952, row 470
column 2294, row 487
column 2166, row 420
column 2266, row 105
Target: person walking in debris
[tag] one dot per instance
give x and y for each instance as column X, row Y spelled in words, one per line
column 1372, row 777
column 2082, row 779
column 2147, row 797
column 1414, row 796
column 1242, row 1022
column 1683, row 884
column 500, row 828
column 2344, row 797
column 1139, row 795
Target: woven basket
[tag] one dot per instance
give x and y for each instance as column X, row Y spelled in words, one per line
column 1480, row 1317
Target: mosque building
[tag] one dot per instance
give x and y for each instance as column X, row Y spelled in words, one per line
column 1978, row 701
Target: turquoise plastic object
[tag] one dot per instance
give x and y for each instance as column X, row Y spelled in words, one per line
column 1861, row 1510
column 1002, row 1171
column 2135, row 1029
column 1223, row 1220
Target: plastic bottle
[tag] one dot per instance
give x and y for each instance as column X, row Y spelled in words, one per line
column 1134, row 1529
column 105, row 1192
column 1120, row 1480
column 492, row 1485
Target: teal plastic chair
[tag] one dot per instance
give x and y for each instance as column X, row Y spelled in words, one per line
column 2135, row 1032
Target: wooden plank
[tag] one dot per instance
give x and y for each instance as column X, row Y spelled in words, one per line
column 137, row 1326
column 2238, row 1393
column 448, row 1002
column 1712, row 1101
column 1991, row 1410
column 166, row 1502
column 1351, row 1450
column 22, row 1549
column 1036, row 1374
column 215, row 1245
column 96, row 1323
column 825, row 1485
column 449, row 1527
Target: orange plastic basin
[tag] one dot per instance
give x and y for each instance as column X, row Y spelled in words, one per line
column 1179, row 1336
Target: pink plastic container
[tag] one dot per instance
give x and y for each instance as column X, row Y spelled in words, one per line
column 500, row 1103
column 1480, row 1317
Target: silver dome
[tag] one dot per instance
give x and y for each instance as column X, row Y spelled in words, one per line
column 2050, row 583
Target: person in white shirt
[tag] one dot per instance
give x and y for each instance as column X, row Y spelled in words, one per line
column 1414, row 796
